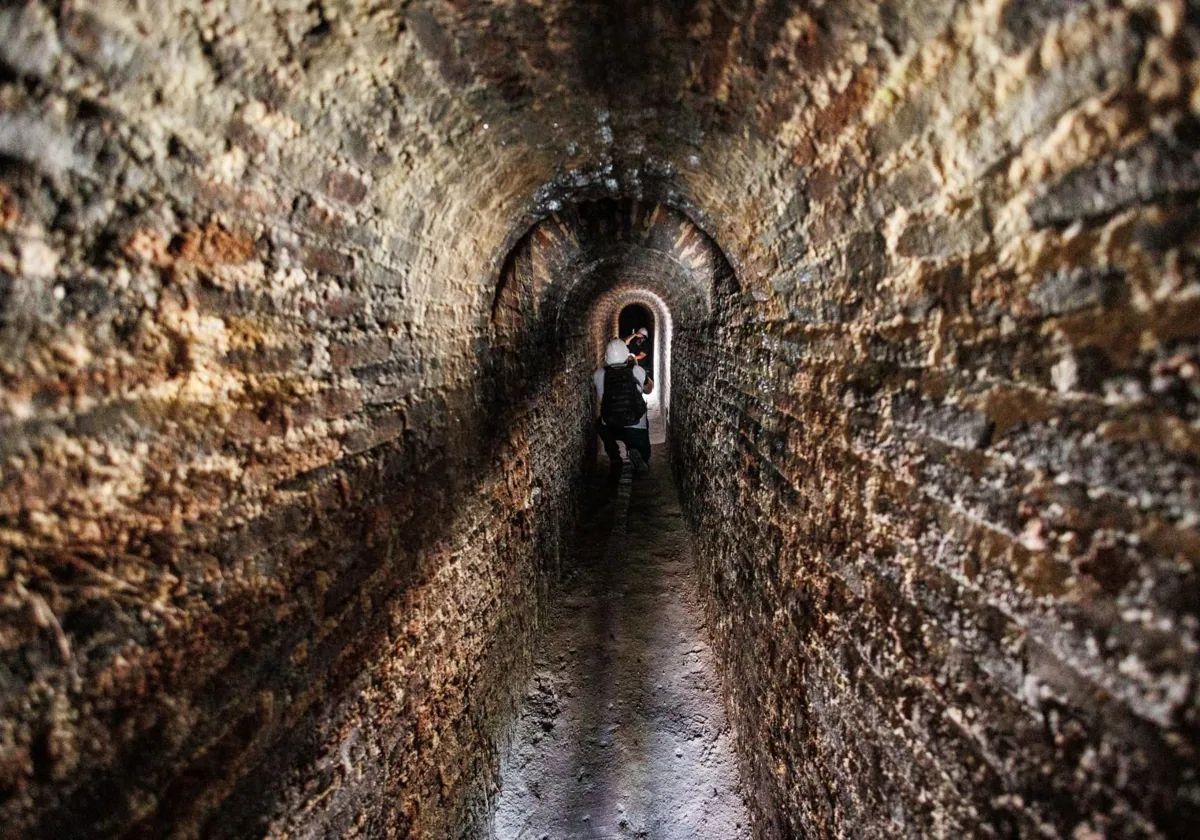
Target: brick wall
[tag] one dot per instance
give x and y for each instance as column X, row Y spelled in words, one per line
column 293, row 317
column 279, row 502
column 940, row 453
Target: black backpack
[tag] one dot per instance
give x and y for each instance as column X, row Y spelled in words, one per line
column 623, row 403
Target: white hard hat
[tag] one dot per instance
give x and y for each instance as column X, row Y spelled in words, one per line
column 642, row 331
column 616, row 353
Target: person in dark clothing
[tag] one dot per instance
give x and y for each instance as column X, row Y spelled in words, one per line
column 620, row 385
column 639, row 346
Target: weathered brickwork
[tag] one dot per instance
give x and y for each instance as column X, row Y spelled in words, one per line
column 941, row 455
column 277, row 511
column 298, row 305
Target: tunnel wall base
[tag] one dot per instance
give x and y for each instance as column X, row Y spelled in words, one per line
column 900, row 658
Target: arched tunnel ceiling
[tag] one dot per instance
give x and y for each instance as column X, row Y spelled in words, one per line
column 564, row 263
column 433, row 116
column 681, row 102
column 251, row 334
column 634, row 267
column 515, row 109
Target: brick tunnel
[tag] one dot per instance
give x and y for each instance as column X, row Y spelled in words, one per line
column 300, row 304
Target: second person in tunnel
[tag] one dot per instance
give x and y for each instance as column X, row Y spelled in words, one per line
column 620, row 385
column 638, row 343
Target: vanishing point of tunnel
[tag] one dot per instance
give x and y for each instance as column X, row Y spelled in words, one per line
column 305, row 528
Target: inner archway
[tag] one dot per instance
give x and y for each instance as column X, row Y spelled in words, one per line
column 631, row 645
column 569, row 278
column 624, row 310
column 634, row 317
column 631, row 318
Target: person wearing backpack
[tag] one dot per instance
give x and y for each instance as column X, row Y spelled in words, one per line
column 620, row 386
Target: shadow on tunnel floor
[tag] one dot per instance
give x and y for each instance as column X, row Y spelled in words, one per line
column 622, row 732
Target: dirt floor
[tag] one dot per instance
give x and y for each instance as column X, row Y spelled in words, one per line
column 622, row 733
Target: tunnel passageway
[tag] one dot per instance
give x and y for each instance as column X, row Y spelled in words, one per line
column 622, row 732
column 300, row 306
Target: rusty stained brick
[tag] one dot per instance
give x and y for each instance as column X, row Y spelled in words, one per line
column 212, row 245
column 344, row 186
column 328, row 261
column 358, row 352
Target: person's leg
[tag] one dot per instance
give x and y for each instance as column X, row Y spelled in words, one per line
column 609, row 438
column 637, row 443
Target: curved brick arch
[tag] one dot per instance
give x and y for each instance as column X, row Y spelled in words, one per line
column 567, row 260
column 603, row 325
